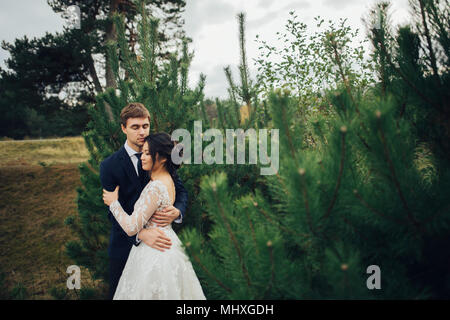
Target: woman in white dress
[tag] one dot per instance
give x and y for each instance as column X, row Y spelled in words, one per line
column 150, row 274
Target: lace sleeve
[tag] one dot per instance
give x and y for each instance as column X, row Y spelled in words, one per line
column 144, row 208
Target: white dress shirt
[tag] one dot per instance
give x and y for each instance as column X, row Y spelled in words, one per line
column 132, row 153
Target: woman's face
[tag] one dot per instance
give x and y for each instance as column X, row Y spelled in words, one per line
column 147, row 161
column 146, row 158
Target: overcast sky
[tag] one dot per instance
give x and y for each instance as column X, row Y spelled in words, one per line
column 212, row 24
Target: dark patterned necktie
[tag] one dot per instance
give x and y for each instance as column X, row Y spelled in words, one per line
column 139, row 167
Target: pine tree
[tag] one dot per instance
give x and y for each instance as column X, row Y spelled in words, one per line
column 419, row 66
column 97, row 29
column 163, row 88
column 244, row 94
column 372, row 190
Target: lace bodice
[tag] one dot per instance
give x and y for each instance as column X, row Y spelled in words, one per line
column 154, row 197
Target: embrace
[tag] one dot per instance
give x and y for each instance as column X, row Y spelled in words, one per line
column 145, row 195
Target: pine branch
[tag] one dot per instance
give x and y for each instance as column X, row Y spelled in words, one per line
column 405, row 78
column 363, row 141
column 282, row 184
column 341, row 170
column 229, row 77
column 155, row 121
column 443, row 33
column 355, row 229
column 394, row 175
column 203, row 111
column 363, row 126
column 245, row 86
column 429, row 43
column 252, row 231
column 272, row 264
column 266, row 215
column 220, row 113
column 212, row 276
column 358, row 196
column 231, row 91
column 436, row 214
column 301, row 171
column 338, row 61
column 123, row 44
column 287, row 132
column 233, row 238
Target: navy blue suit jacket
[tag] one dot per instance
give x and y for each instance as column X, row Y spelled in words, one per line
column 118, row 170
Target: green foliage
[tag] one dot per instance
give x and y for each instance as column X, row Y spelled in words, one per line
column 229, row 113
column 18, row 292
column 414, row 69
column 58, row 293
column 308, row 63
column 89, row 294
column 50, row 80
column 39, row 70
column 362, row 182
column 96, row 18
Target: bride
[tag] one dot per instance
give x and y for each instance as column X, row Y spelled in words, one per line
column 150, row 274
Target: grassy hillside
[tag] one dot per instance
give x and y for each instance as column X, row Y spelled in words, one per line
column 37, row 192
column 43, row 152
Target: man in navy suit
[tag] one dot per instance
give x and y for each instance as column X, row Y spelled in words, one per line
column 124, row 169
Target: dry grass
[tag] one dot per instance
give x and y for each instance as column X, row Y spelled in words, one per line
column 44, row 152
column 34, row 201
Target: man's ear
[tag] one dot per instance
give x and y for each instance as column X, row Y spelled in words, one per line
column 124, row 130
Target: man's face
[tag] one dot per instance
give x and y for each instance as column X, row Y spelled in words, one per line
column 136, row 130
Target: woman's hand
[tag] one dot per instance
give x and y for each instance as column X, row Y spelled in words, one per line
column 110, row 197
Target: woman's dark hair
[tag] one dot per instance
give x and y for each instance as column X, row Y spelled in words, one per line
column 162, row 144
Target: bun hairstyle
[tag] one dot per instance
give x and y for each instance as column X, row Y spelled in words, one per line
column 162, row 144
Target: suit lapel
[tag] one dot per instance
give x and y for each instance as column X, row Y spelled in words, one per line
column 128, row 166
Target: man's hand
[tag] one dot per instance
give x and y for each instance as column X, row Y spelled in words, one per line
column 166, row 216
column 155, row 238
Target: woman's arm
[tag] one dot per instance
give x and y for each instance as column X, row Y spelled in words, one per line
column 144, row 208
column 109, row 182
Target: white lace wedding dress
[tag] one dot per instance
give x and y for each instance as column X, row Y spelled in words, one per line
column 150, row 274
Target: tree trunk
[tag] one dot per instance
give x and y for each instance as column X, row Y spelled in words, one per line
column 93, row 74
column 111, row 36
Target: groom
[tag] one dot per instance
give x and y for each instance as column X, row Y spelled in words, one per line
column 124, row 169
